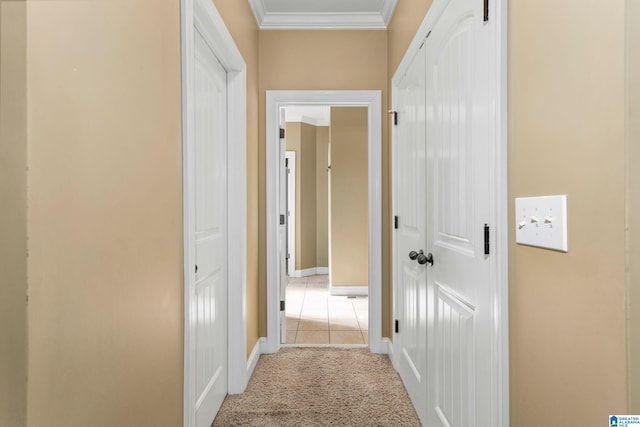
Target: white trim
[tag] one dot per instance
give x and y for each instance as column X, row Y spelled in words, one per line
column 498, row 197
column 203, row 15
column 313, row 271
column 388, row 348
column 300, row 21
column 252, row 361
column 373, row 100
column 499, row 13
column 349, row 291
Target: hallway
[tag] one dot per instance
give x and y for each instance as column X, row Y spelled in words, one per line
column 316, row 317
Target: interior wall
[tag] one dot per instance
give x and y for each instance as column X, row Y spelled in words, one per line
column 633, row 201
column 566, row 136
column 306, row 192
column 322, row 196
column 105, row 333
column 242, row 25
column 325, row 60
column 404, row 23
column 13, row 214
column 349, row 226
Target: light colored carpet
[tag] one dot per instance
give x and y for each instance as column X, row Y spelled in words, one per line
column 321, row 386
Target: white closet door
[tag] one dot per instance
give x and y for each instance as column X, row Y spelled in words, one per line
column 459, row 283
column 411, row 297
column 209, row 297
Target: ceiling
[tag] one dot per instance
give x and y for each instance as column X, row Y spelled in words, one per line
column 323, row 14
column 312, row 114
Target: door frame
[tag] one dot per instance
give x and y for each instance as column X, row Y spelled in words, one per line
column 498, row 190
column 203, row 15
column 291, row 214
column 373, row 100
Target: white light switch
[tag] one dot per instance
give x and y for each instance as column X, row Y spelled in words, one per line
column 542, row 222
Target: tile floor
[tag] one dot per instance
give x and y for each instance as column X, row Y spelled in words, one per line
column 315, row 317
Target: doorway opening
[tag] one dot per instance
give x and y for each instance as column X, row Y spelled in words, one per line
column 326, row 217
column 277, row 267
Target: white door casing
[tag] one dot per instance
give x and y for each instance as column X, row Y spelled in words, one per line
column 208, row 52
column 410, row 298
column 467, row 296
column 274, row 101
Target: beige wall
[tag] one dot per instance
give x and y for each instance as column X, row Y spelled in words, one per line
column 348, row 193
column 566, row 136
column 406, row 20
column 333, row 60
column 633, row 200
column 13, row 216
column 242, row 26
column 105, row 223
column 322, row 196
column 306, row 196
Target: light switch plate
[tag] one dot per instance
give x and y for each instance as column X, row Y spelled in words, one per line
column 542, row 222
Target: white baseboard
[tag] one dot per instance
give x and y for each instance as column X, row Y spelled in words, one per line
column 252, row 361
column 349, row 291
column 313, row 271
column 387, row 347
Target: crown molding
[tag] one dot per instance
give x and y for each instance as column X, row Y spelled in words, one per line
column 326, row 21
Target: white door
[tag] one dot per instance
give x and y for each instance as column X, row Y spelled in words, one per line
column 410, row 298
column 282, row 236
column 291, row 206
column 458, row 284
column 209, row 297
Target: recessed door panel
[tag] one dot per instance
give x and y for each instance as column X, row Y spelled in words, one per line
column 453, row 337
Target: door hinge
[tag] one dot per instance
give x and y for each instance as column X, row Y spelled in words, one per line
column 281, row 133
column 486, row 239
column 486, row 10
column 397, row 326
column 395, row 222
column 282, row 220
column 288, row 256
column 282, row 305
column 395, row 116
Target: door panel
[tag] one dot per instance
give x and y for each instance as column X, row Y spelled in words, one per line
column 458, row 284
column 411, row 235
column 282, row 236
column 453, row 336
column 210, row 233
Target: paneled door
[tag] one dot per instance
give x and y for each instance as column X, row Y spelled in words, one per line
column 458, row 156
column 410, row 276
column 282, row 236
column 209, row 297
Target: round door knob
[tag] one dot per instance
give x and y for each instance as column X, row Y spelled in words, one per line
column 413, row 255
column 424, row 259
